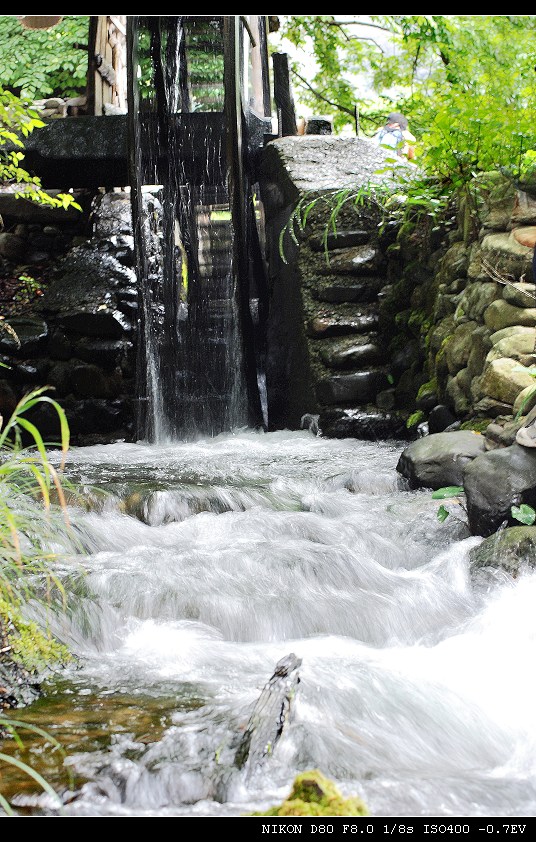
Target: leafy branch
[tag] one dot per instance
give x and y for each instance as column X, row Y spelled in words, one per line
column 18, row 121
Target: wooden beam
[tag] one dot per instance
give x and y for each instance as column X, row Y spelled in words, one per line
column 283, row 95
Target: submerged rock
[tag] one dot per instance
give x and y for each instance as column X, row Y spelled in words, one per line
column 313, row 794
column 439, row 459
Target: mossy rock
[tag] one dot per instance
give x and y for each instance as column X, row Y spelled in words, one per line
column 510, row 549
column 313, row 794
column 30, row 646
column 476, row 425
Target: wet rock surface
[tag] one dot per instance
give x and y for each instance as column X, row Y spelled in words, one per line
column 440, row 459
column 368, row 423
column 496, row 481
column 512, row 550
column 79, row 336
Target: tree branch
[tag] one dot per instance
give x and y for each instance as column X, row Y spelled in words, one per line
column 364, row 38
column 356, row 23
column 340, row 24
column 322, row 97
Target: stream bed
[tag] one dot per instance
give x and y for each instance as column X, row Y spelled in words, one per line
column 197, row 566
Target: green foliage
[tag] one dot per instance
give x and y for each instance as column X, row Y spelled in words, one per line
column 13, row 727
column 32, row 647
column 17, row 121
column 414, row 419
column 397, row 194
column 524, row 514
column 447, row 491
column 466, row 82
column 29, row 522
column 39, row 63
column 527, row 173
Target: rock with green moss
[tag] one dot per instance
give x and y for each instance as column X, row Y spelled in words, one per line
column 477, row 297
column 454, row 263
column 25, row 651
column 313, row 794
column 476, row 425
column 458, row 347
column 427, row 396
column 510, row 549
column 500, row 314
column 504, row 379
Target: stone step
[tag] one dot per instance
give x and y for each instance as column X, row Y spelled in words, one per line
column 361, row 260
column 342, row 239
column 27, row 334
column 339, row 324
column 359, row 387
column 342, row 291
column 357, row 352
column 364, row 423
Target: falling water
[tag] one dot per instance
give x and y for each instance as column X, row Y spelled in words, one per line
column 191, row 358
column 194, row 566
column 204, row 563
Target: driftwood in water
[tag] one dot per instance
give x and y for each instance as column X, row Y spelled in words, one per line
column 270, row 714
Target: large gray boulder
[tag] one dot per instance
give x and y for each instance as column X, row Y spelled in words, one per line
column 496, row 481
column 440, row 459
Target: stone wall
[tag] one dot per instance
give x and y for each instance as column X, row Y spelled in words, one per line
column 373, row 331
column 76, row 329
column 379, row 329
column 326, row 354
column 475, row 334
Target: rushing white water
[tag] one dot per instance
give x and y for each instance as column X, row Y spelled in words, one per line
column 208, row 561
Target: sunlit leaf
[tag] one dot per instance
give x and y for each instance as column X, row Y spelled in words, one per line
column 524, row 514
column 447, row 491
column 442, row 514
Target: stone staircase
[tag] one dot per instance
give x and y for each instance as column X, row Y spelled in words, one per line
column 344, row 283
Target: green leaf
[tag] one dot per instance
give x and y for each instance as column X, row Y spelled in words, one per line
column 448, row 491
column 442, row 514
column 524, row 514
column 5, row 806
column 13, row 761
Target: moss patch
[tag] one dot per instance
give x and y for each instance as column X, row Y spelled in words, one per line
column 428, row 388
column 313, row 794
column 30, row 646
column 477, row 425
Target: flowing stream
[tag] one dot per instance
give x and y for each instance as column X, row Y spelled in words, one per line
column 201, row 564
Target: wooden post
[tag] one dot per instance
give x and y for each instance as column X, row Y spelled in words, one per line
column 283, row 95
column 91, row 67
column 106, row 81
